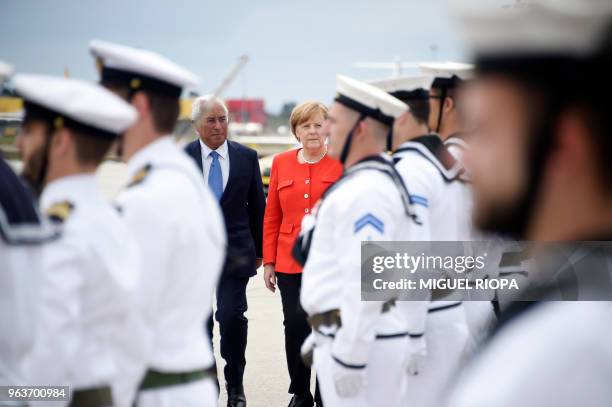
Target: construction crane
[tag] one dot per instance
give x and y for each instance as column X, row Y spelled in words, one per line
column 242, row 61
column 186, row 103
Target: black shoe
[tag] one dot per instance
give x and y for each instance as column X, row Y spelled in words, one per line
column 235, row 396
column 301, row 401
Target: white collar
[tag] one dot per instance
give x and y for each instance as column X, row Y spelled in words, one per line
column 72, row 188
column 222, row 150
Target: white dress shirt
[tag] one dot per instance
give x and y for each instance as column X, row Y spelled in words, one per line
column 223, row 160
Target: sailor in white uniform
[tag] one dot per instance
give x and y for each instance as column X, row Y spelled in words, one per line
column 445, row 118
column 362, row 348
column 90, row 272
column 448, row 122
column 177, row 223
column 442, row 199
column 541, row 171
column 23, row 233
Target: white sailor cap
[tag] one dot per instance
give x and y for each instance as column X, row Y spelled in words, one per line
column 406, row 88
column 75, row 104
column 140, row 69
column 6, row 71
column 447, row 74
column 447, row 69
column 534, row 27
column 368, row 100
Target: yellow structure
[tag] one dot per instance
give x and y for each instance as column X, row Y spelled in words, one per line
column 9, row 104
column 185, row 109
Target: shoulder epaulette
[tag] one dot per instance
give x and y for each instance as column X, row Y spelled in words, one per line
column 60, row 211
column 140, row 175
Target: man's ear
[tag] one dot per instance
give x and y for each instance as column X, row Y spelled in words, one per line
column 140, row 101
column 361, row 129
column 61, row 143
column 403, row 119
column 449, row 104
column 572, row 150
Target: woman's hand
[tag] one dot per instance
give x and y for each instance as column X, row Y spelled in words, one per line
column 270, row 277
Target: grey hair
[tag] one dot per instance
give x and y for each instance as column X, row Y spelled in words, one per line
column 203, row 103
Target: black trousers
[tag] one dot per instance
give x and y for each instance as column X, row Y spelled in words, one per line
column 233, row 327
column 296, row 331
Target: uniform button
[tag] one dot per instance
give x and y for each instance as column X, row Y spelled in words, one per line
column 305, row 195
column 307, row 181
column 306, row 210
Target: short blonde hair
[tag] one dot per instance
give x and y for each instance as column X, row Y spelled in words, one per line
column 304, row 112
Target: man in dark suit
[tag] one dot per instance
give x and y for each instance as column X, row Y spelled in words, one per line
column 232, row 172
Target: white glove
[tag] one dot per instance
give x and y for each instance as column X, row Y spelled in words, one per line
column 417, row 355
column 349, row 381
column 307, row 349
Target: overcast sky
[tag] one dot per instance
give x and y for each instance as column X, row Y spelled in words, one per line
column 295, row 47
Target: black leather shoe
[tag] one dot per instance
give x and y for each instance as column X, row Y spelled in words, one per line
column 301, row 401
column 235, row 396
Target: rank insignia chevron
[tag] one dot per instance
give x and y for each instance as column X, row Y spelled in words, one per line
column 369, row 219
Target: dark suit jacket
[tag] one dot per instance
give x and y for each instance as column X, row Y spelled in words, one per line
column 243, row 204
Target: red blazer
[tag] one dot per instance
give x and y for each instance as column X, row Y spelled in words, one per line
column 294, row 189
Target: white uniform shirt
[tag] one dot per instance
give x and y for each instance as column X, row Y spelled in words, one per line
column 20, row 268
column 87, row 289
column 22, row 243
column 444, row 199
column 332, row 274
column 558, row 355
column 457, row 146
column 179, row 227
column 447, row 206
column 223, row 161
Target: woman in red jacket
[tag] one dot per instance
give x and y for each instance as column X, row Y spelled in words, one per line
column 297, row 180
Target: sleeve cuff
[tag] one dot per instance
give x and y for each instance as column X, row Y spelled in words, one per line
column 351, row 354
column 347, row 365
